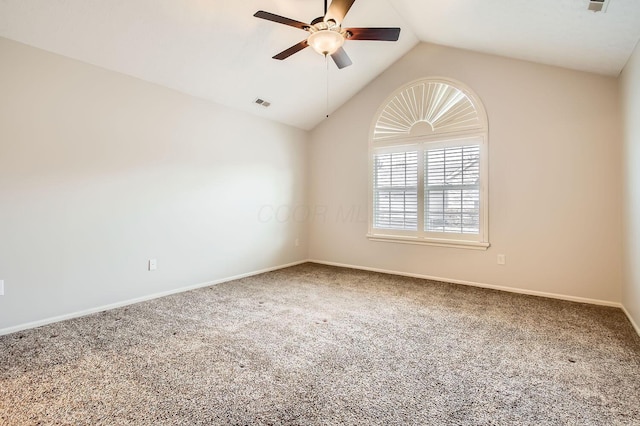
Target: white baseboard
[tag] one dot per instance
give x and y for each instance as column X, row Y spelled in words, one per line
column 633, row 323
column 476, row 284
column 90, row 311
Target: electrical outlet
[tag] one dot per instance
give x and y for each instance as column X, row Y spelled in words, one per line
column 297, row 242
column 501, row 259
column 153, row 264
column 1, row 287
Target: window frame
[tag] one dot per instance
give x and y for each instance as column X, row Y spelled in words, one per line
column 421, row 143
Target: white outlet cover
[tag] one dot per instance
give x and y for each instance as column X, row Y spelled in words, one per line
column 1, row 287
column 153, row 264
column 501, row 259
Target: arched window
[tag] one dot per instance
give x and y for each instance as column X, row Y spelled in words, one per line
column 428, row 166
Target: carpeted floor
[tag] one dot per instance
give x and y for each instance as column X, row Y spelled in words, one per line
column 317, row 345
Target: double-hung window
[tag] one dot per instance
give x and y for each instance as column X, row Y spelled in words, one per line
column 428, row 167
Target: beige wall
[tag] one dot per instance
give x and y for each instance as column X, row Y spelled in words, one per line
column 630, row 94
column 554, row 173
column 100, row 172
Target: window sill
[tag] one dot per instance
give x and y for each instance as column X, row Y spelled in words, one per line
column 469, row 245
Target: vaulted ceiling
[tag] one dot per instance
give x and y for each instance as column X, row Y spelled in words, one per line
column 217, row 50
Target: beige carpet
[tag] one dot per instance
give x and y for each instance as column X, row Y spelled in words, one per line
column 317, row 345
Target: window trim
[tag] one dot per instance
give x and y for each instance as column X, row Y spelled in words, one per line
column 421, row 143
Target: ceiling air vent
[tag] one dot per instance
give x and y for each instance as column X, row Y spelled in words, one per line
column 262, row 102
column 598, row 5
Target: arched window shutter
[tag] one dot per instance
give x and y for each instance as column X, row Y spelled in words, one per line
column 428, row 166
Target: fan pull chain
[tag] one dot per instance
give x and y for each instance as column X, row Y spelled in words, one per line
column 326, row 61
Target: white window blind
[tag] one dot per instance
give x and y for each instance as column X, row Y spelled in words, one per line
column 428, row 167
column 452, row 189
column 395, row 190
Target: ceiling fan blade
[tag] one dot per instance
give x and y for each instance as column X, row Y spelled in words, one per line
column 381, row 34
column 338, row 10
column 281, row 20
column 341, row 58
column 290, row 51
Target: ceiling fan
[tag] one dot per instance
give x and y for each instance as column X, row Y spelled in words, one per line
column 326, row 33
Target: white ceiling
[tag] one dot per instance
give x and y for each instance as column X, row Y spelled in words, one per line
column 555, row 32
column 217, row 50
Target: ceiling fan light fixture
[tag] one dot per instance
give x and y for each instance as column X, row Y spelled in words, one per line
column 326, row 42
column 326, row 35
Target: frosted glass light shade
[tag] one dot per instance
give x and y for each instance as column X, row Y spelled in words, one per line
column 326, row 42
